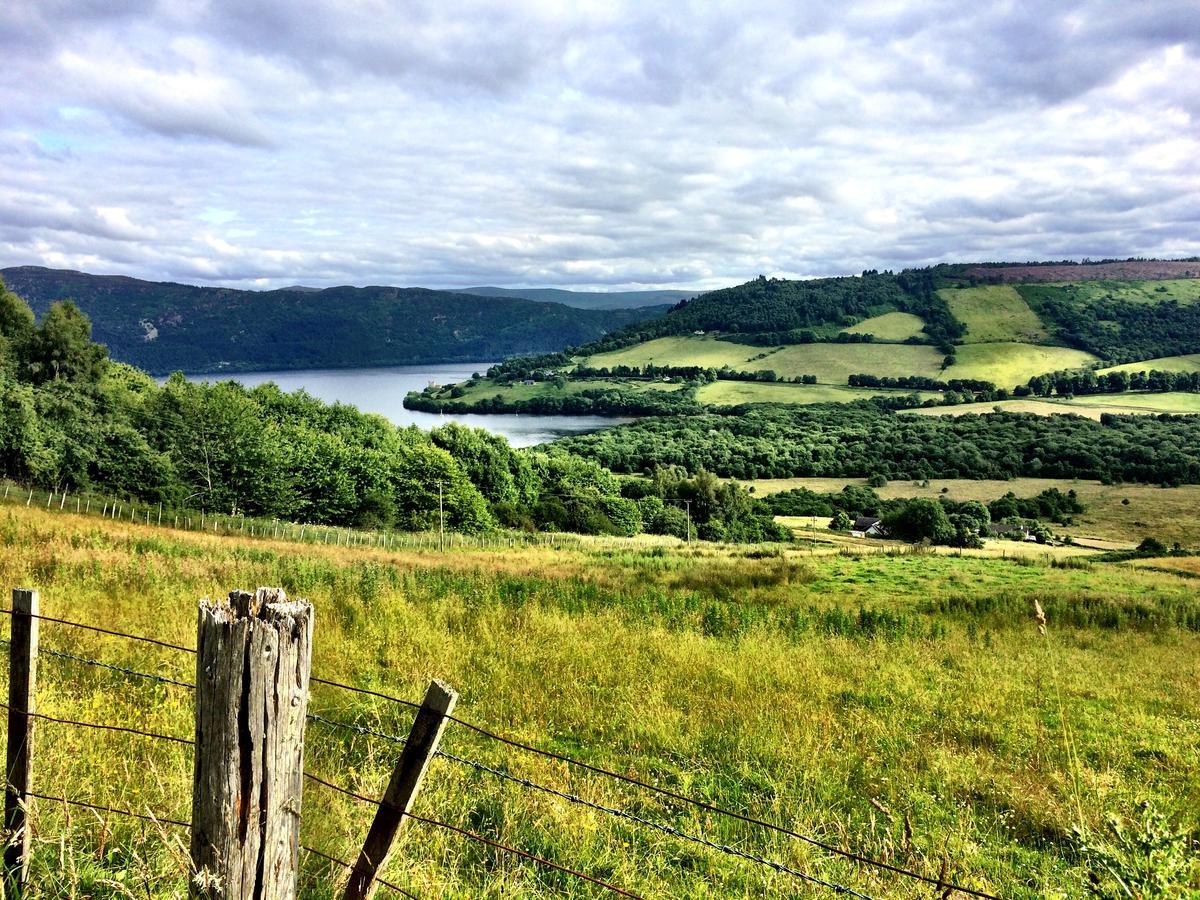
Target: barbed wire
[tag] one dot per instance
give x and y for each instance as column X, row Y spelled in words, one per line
column 102, row 727
column 475, row 837
column 121, row 634
column 665, row 829
column 816, row 842
column 162, row 820
column 88, row 661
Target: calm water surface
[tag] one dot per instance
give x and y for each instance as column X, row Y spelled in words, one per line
column 381, row 390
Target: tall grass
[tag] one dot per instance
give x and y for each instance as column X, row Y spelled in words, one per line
column 891, row 704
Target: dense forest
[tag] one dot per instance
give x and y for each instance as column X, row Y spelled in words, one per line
column 768, row 311
column 864, row 438
column 73, row 419
column 162, row 327
column 1114, row 329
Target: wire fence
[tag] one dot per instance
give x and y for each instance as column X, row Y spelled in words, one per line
column 163, row 516
column 939, row 882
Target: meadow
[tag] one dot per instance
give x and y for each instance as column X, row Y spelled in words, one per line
column 1181, row 290
column 1008, row 363
column 901, row 705
column 1118, row 515
column 994, row 313
column 890, row 326
column 731, row 393
column 1185, row 363
column 1091, row 405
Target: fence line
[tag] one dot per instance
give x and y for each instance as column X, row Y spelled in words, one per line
column 938, row 882
column 154, row 514
column 477, row 837
column 162, row 820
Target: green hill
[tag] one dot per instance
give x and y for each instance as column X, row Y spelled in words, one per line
column 162, row 327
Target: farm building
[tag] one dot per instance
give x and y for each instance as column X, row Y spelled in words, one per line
column 867, row 526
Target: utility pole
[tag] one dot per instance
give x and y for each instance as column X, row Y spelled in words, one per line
column 688, row 506
column 441, row 520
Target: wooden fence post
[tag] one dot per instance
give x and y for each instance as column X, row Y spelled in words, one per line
column 22, row 684
column 253, row 658
column 406, row 780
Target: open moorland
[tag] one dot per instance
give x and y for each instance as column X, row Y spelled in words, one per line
column 898, row 705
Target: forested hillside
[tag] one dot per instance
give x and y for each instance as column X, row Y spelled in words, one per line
column 163, row 327
column 72, row 419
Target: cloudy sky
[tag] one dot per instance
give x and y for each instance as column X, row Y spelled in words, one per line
column 593, row 145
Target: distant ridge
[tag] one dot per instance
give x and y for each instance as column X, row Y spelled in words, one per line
column 588, row 299
column 165, row 326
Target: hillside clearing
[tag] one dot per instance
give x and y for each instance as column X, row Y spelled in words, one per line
column 730, row 393
column 831, row 363
column 1092, row 405
column 1008, row 364
column 891, row 326
column 994, row 313
column 1187, row 363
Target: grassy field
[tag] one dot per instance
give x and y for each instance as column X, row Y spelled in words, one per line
column 1181, row 290
column 486, row 389
column 891, row 326
column 994, row 313
column 901, row 705
column 687, row 350
column 1167, row 514
column 729, row 393
column 1008, row 364
column 1188, row 363
column 831, row 363
column 1093, row 406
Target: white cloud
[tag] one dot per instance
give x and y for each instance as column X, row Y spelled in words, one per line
column 263, row 143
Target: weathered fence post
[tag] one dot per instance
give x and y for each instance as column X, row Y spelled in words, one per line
column 252, row 671
column 22, row 683
column 402, row 789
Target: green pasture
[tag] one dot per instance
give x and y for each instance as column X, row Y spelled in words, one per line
column 731, row 393
column 1188, row 363
column 900, row 705
column 994, row 313
column 890, row 326
column 1007, row 364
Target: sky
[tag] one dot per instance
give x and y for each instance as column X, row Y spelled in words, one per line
column 593, row 145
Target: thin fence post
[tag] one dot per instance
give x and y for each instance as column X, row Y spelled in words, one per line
column 22, row 696
column 406, row 780
column 253, row 658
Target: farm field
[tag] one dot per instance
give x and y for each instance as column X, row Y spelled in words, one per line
column 1187, row 363
column 1008, row 364
column 1093, row 405
column 891, row 326
column 994, row 313
column 1167, row 514
column 830, row 363
column 729, row 393
column 903, row 688
column 1181, row 290
column 486, row 389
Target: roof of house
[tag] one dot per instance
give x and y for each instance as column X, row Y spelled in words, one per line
column 862, row 523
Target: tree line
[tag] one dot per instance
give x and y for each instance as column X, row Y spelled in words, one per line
column 864, row 438
column 73, row 419
column 1068, row 383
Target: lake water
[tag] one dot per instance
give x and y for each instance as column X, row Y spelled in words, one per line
column 381, row 390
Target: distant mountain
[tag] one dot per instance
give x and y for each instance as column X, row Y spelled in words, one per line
column 588, row 299
column 164, row 326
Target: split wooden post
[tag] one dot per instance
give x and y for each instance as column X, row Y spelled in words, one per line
column 253, row 659
column 406, row 780
column 22, row 685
